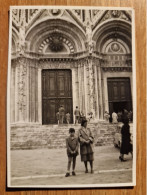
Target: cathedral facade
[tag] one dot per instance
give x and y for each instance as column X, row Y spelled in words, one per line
column 70, row 57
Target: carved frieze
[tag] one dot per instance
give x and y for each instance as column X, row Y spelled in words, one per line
column 116, row 63
column 57, row 64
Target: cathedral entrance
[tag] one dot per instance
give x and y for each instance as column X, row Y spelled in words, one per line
column 56, row 91
column 119, row 94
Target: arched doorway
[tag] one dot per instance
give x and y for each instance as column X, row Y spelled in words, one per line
column 113, row 41
column 56, row 42
column 119, row 94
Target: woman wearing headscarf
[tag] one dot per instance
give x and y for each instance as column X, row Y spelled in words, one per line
column 86, row 140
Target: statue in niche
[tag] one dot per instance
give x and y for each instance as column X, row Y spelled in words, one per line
column 115, row 13
column 55, row 12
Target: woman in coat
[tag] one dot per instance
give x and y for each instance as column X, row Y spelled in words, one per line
column 126, row 145
column 86, row 145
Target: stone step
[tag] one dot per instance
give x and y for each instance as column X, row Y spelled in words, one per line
column 54, row 136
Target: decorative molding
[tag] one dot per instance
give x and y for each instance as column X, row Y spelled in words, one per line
column 117, row 69
column 115, row 14
column 57, row 64
column 56, row 43
column 68, row 63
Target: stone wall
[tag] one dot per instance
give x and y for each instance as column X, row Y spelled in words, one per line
column 53, row 136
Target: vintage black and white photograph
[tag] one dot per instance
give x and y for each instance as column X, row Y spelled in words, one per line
column 71, row 97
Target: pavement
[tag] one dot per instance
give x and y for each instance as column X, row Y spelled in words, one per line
column 48, row 167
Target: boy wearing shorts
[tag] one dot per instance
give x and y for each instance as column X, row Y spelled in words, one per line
column 72, row 146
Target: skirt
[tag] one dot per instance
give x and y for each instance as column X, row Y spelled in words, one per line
column 87, row 157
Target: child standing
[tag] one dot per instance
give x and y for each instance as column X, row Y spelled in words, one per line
column 72, row 145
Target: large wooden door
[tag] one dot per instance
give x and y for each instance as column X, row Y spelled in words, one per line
column 119, row 94
column 56, row 91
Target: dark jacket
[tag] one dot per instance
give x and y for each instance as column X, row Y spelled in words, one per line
column 72, row 144
column 126, row 145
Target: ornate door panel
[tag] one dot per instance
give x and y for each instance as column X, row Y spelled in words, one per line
column 119, row 94
column 56, row 91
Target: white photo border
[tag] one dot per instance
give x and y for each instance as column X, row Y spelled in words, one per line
column 107, row 185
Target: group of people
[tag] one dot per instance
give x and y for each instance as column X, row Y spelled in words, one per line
column 61, row 116
column 85, row 139
column 118, row 117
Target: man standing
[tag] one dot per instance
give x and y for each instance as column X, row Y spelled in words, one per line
column 77, row 115
column 67, row 116
column 114, row 118
column 61, row 114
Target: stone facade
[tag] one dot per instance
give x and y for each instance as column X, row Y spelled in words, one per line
column 94, row 44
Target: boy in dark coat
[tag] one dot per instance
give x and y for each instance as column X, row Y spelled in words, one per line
column 72, row 146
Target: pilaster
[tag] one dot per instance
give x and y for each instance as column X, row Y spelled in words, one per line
column 21, row 86
column 91, row 85
column 100, row 92
column 96, row 92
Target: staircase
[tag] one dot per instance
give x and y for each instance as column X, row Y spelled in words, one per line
column 35, row 136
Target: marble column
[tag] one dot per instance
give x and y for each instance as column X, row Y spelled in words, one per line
column 106, row 102
column 16, row 92
column 91, row 86
column 100, row 92
column 96, row 93
column 12, row 92
column 81, row 80
column 24, row 90
column 80, row 86
column 85, row 89
column 33, row 91
column 75, row 90
column 27, row 91
column 21, row 77
column 39, row 96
